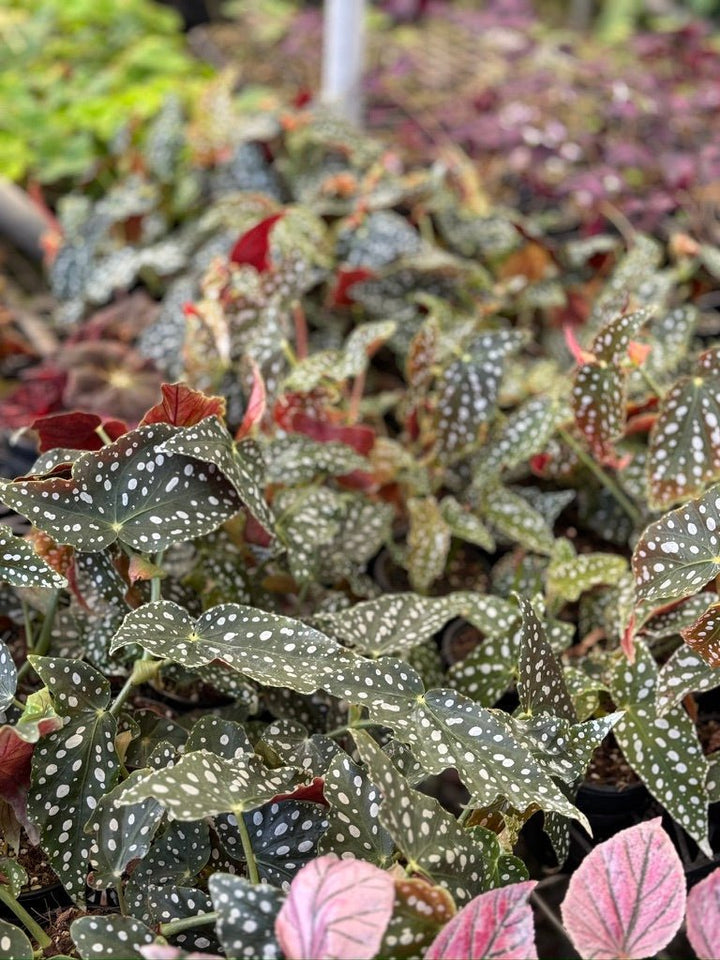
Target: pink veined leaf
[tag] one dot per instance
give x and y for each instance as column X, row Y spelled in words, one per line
column 627, row 897
column 335, row 910
column 703, row 917
column 256, row 404
column 497, row 925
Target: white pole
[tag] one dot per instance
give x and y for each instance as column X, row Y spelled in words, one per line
column 343, row 56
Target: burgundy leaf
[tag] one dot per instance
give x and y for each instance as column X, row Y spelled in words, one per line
column 345, row 279
column 497, row 925
column 75, row 431
column 182, row 406
column 627, row 897
column 335, row 910
column 703, row 917
column 253, row 247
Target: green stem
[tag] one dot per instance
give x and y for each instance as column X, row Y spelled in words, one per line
column 34, row 929
column 349, row 727
column 29, row 637
column 247, row 849
column 650, row 381
column 187, row 923
column 102, row 433
column 465, row 815
column 43, row 642
column 605, row 479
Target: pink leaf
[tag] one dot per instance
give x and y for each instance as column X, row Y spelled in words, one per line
column 703, row 917
column 255, row 409
column 627, row 897
column 335, row 910
column 497, row 925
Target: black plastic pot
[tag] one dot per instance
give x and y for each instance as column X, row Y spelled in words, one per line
column 39, row 903
column 610, row 809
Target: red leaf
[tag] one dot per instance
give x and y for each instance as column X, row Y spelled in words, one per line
column 627, row 643
column 256, row 404
column 256, row 533
column 703, row 917
column 361, row 439
column 253, row 247
column 335, row 910
column 40, row 393
column 312, row 792
column 497, row 924
column 627, row 897
column 76, row 431
column 340, row 295
column 182, row 406
column 15, row 761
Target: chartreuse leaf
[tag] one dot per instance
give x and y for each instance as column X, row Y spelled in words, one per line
column 703, row 636
column 246, row 916
column 428, row 542
column 570, row 574
column 20, row 566
column 132, row 491
column 72, row 768
column 202, row 784
column 627, row 897
column 210, row 442
column 354, row 825
column 683, row 672
column 8, row 677
column 121, row 834
column 664, row 751
column 684, row 444
column 541, row 683
column 703, row 917
column 114, row 938
column 420, row 911
column 335, row 908
column 264, row 646
column 14, row 945
column 678, row 554
column 511, row 515
column 428, row 837
column 393, row 623
column 497, row 925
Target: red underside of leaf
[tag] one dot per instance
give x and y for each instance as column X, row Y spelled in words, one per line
column 345, row 279
column 76, row 431
column 182, row 406
column 312, row 792
column 256, row 404
column 253, row 247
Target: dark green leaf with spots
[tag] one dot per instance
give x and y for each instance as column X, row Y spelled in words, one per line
column 388, row 688
column 121, row 834
column 287, row 742
column 264, row 646
column 246, row 921
column 541, row 684
column 512, row 516
column 76, row 687
column 13, row 876
column 678, row 554
column 684, row 672
column 429, row 837
column 488, row 670
column 170, row 902
column 131, row 491
column 20, row 566
column 465, row 525
column 8, row 677
column 224, row 737
column 152, row 730
column 428, row 542
column 202, row 784
column 297, row 459
column 420, row 911
column 210, row 442
column 112, row 938
column 570, row 574
column 14, row 945
column 664, row 751
column 354, row 824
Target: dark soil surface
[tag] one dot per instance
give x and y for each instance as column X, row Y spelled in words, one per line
column 609, row 767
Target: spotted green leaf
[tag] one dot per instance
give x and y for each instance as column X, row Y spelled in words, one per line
column 132, row 491
column 76, row 687
column 354, row 825
column 541, row 683
column 599, row 397
column 678, row 554
column 210, row 442
column 465, row 525
column 286, row 742
column 640, row 262
column 72, row 769
column 20, row 566
column 152, row 730
column 308, row 521
column 8, row 678
column 611, row 343
column 428, row 836
column 170, row 903
column 13, row 876
column 421, row 910
column 297, row 459
column 113, row 938
column 246, row 916
column 201, row 784
column 511, row 515
column 684, row 444
column 683, row 672
column 264, row 646
column 703, row 636
column 393, row 623
column 663, row 751
column 428, row 542
column 669, row 622
column 561, row 748
column 570, row 574
column 488, row 670
column 284, row 837
column 120, row 834
column 525, row 432
column 388, row 688
column 14, row 945
column 217, row 735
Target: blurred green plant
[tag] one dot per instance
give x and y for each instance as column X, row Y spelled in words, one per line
column 78, row 72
